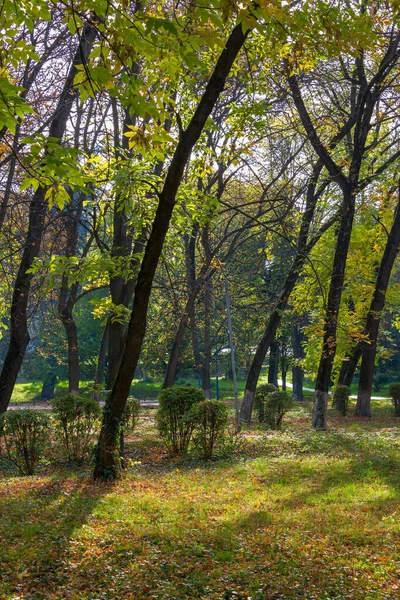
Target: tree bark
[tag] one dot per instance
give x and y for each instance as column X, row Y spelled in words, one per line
column 273, row 363
column 101, row 363
column 349, row 366
column 275, row 317
column 106, row 459
column 297, row 372
column 206, row 367
column 332, row 312
column 368, row 347
column 19, row 334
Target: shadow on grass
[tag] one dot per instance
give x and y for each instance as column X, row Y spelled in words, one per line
column 40, row 517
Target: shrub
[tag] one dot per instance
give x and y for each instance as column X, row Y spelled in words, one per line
column 341, row 396
column 210, row 418
column 131, row 413
column 260, row 398
column 25, row 433
column 174, row 419
column 394, row 391
column 275, row 406
column 76, row 418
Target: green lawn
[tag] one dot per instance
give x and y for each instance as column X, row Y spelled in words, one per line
column 293, row 514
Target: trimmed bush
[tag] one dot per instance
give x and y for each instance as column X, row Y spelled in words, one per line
column 76, row 419
column 210, row 418
column 341, row 395
column 275, row 406
column 394, row 391
column 25, row 434
column 260, row 398
column 174, row 418
column 131, row 413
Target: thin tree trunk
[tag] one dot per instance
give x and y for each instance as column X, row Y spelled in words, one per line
column 297, row 372
column 349, row 366
column 363, row 407
column 19, row 334
column 273, row 363
column 276, row 315
column 206, row 367
column 101, row 363
column 332, row 312
column 106, row 459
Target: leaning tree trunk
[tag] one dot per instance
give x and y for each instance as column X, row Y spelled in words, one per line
column 275, row 317
column 332, row 312
column 106, row 458
column 349, row 366
column 363, row 406
column 19, row 334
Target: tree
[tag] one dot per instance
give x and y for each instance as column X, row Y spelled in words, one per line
column 106, row 461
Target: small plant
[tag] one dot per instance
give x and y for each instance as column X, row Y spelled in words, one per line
column 260, row 398
column 275, row 406
column 25, row 433
column 210, row 417
column 76, row 418
column 174, row 419
column 131, row 413
column 341, row 397
column 394, row 391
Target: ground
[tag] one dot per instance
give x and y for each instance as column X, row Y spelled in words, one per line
column 292, row 514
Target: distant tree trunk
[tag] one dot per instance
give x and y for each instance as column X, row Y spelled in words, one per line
column 48, row 388
column 106, row 459
column 190, row 259
column 363, row 407
column 101, row 363
column 349, row 366
column 206, row 368
column 19, row 335
column 275, row 317
column 297, row 372
column 273, row 363
column 332, row 312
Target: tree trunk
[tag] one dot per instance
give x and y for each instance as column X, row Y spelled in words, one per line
column 349, row 366
column 101, row 363
column 332, row 312
column 173, row 361
column 73, row 357
column 275, row 317
column 19, row 335
column 363, row 407
column 106, row 459
column 297, row 372
column 273, row 363
column 206, row 367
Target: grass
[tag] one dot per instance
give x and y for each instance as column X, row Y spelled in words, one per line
column 30, row 392
column 293, row 514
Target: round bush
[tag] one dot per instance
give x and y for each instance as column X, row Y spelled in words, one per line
column 25, row 434
column 131, row 413
column 210, row 418
column 275, row 406
column 174, row 418
column 76, row 419
column 341, row 395
column 260, row 398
